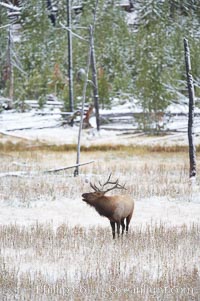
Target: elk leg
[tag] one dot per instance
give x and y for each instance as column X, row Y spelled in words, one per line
column 118, row 228
column 123, row 226
column 128, row 219
column 113, row 229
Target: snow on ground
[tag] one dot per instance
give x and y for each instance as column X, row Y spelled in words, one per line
column 48, row 128
column 75, row 212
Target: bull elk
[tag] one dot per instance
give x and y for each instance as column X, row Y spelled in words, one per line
column 116, row 208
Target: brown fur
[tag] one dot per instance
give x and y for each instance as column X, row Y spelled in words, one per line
column 116, row 208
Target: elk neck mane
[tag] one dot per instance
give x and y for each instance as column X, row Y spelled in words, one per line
column 105, row 206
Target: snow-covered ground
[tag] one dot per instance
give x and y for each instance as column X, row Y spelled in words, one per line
column 51, row 239
column 48, row 128
column 74, row 212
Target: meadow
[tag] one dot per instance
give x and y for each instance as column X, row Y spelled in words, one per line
column 55, row 247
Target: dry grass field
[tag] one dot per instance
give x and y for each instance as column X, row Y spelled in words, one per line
column 47, row 256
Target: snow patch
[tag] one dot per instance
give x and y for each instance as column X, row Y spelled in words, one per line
column 75, row 212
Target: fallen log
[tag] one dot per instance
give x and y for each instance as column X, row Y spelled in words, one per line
column 32, row 128
column 22, row 174
column 5, row 133
column 68, row 167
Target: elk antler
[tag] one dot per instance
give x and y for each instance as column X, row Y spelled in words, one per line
column 93, row 186
column 116, row 186
column 115, row 183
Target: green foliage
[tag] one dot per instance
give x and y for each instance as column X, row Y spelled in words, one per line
column 103, row 85
column 160, row 67
column 42, row 52
column 113, row 41
column 147, row 61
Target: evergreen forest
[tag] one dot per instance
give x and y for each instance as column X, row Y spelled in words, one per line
column 139, row 54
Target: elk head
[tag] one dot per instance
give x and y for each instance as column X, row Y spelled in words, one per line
column 92, row 197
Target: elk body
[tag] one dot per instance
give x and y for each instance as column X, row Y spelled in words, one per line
column 117, row 208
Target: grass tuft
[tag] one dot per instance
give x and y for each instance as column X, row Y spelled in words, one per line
column 22, row 146
column 39, row 263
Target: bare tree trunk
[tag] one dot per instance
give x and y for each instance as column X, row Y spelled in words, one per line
column 190, row 86
column 76, row 171
column 68, row 167
column 91, row 37
column 10, row 66
column 70, row 63
column 95, row 83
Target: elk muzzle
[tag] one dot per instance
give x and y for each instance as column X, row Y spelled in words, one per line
column 84, row 196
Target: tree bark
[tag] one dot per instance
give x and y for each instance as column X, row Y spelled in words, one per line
column 76, row 171
column 68, row 167
column 70, row 63
column 190, row 86
column 10, row 66
column 95, row 83
column 91, row 36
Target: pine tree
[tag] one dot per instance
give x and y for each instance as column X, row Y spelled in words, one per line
column 146, row 62
column 151, row 59
column 159, row 77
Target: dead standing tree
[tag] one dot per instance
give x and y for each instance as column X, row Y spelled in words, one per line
column 10, row 68
column 13, row 11
column 70, row 59
column 94, row 74
column 76, row 171
column 190, row 86
column 91, row 59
